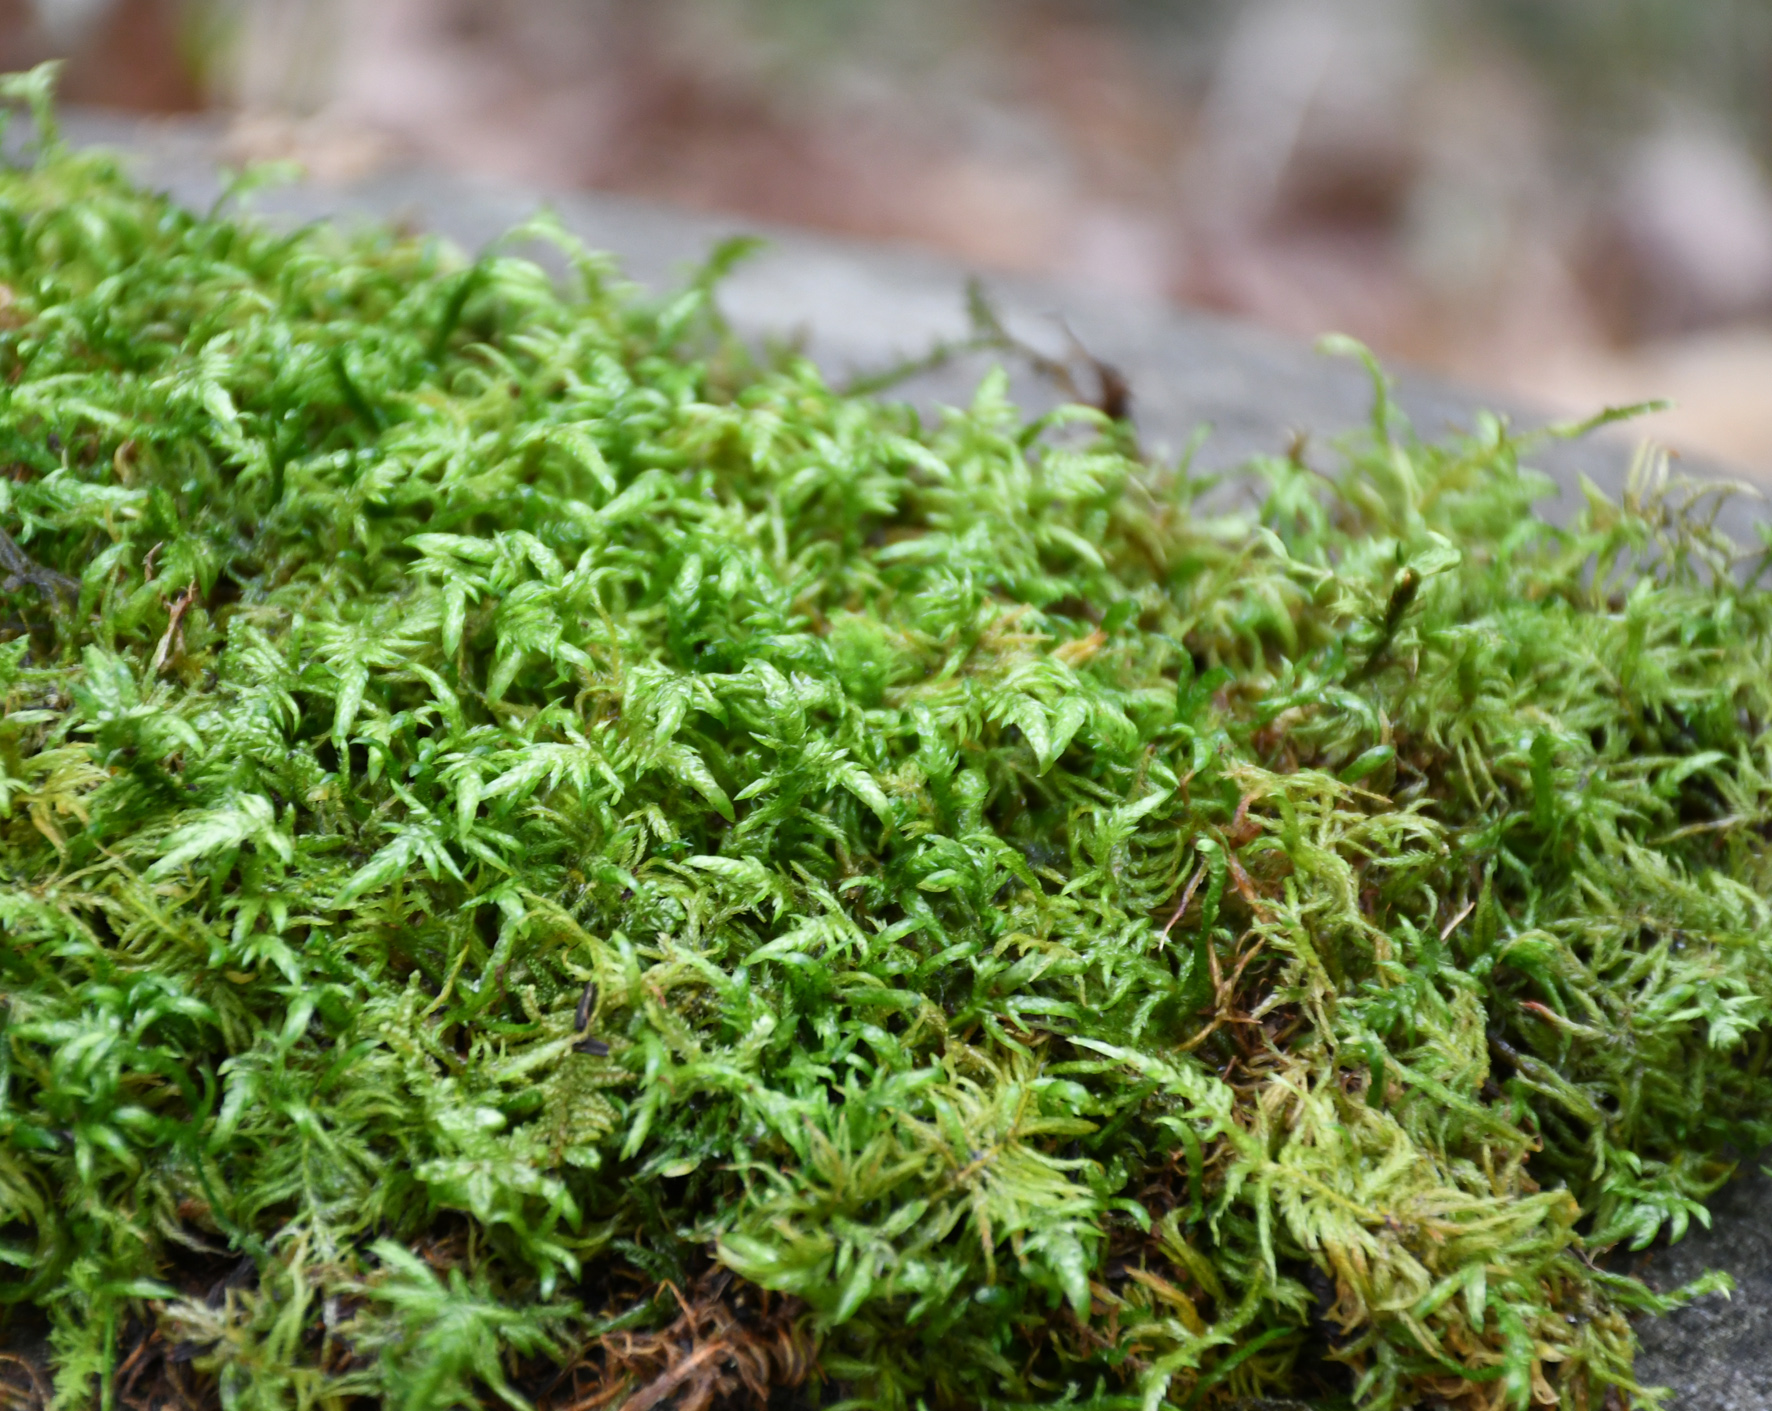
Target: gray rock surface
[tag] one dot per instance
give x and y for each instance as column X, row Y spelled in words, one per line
column 1716, row 1354
column 859, row 308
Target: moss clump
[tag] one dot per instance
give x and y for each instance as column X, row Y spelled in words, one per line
column 543, row 861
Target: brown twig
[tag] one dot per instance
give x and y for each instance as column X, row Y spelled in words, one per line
column 33, row 1395
column 1186, row 898
column 1113, row 395
column 731, row 1341
column 175, row 627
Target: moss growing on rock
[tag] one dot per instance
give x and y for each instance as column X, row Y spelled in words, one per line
column 544, row 861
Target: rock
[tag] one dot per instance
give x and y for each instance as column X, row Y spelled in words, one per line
column 861, row 307
column 1716, row 1355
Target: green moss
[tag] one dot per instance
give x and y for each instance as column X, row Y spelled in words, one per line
column 538, row 855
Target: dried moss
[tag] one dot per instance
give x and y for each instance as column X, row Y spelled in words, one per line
column 545, row 862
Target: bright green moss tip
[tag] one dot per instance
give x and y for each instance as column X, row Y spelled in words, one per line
column 544, row 862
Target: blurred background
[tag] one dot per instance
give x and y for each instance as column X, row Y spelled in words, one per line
column 1565, row 200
